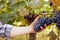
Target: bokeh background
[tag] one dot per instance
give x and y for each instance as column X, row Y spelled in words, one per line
column 14, row 12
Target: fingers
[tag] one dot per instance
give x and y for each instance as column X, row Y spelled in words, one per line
column 45, row 26
column 42, row 28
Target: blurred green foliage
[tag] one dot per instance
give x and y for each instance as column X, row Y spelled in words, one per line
column 10, row 10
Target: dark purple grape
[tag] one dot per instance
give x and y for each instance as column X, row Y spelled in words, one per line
column 58, row 21
column 48, row 21
column 58, row 25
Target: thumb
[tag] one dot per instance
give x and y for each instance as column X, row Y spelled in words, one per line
column 36, row 19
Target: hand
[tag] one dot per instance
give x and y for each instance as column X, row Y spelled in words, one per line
column 33, row 23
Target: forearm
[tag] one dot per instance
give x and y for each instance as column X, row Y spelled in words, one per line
column 20, row 31
column 11, row 31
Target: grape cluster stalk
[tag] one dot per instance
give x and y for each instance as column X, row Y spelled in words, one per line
column 46, row 20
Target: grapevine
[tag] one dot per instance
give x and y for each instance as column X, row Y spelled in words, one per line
column 48, row 21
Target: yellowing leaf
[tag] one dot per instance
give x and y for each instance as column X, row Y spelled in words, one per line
column 58, row 7
column 55, row 1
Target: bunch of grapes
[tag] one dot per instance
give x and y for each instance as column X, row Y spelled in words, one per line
column 58, row 21
column 42, row 21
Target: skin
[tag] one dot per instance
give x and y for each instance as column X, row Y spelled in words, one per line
column 16, row 31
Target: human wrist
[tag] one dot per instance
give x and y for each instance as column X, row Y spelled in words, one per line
column 32, row 29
